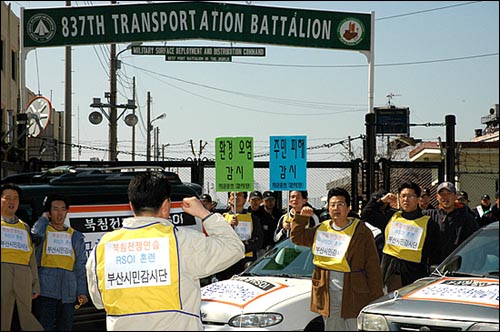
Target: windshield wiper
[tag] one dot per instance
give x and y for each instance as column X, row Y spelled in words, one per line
column 493, row 273
column 283, row 275
column 250, row 274
column 286, row 275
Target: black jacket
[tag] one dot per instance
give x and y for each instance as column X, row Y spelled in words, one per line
column 376, row 214
column 454, row 227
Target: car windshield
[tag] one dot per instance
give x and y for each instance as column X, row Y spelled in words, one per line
column 284, row 260
column 477, row 257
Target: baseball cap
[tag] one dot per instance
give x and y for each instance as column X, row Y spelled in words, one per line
column 448, row 186
column 463, row 194
column 425, row 191
column 206, row 197
column 255, row 194
column 379, row 194
column 268, row 194
column 486, row 196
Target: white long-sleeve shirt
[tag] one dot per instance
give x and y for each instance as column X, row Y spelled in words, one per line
column 200, row 256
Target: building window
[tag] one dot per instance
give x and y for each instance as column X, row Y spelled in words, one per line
column 14, row 65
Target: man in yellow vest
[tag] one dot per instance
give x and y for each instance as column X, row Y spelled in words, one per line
column 297, row 199
column 249, row 229
column 412, row 241
column 60, row 253
column 19, row 270
column 346, row 274
column 147, row 274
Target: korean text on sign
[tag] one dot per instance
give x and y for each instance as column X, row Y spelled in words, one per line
column 234, row 163
column 288, row 162
column 137, row 263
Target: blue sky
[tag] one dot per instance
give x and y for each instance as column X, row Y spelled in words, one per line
column 436, row 57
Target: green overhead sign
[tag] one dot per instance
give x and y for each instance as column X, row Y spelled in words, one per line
column 46, row 27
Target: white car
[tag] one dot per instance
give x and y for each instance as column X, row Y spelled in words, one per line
column 273, row 294
column 461, row 294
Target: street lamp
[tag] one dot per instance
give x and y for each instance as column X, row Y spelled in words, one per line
column 113, row 120
column 118, row 63
column 148, row 135
column 96, row 118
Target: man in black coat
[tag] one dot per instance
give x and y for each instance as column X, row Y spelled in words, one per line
column 455, row 223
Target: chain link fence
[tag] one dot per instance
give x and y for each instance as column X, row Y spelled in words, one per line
column 426, row 174
column 321, row 176
column 477, row 175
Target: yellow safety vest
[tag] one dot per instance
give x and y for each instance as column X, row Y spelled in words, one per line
column 330, row 246
column 58, row 249
column 243, row 217
column 404, row 238
column 138, row 270
column 16, row 243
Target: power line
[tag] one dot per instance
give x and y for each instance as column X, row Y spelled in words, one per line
column 248, row 108
column 427, row 10
column 295, row 102
column 298, row 103
column 365, row 65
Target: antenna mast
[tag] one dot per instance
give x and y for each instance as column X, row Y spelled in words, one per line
column 390, row 96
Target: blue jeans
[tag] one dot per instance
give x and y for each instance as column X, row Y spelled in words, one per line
column 53, row 314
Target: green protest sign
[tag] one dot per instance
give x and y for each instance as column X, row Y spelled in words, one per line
column 234, row 164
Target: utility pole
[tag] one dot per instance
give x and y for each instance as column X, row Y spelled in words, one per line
column 148, row 131
column 192, row 148
column 202, row 147
column 450, row 147
column 133, row 127
column 156, row 142
column 67, row 101
column 163, row 146
column 112, row 101
column 371, row 152
column 113, row 123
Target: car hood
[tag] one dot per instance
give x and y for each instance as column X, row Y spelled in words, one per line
column 225, row 299
column 463, row 299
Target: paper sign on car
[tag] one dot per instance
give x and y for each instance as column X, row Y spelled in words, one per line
column 238, row 292
column 480, row 291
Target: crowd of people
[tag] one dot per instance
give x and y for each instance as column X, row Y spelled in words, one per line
column 149, row 258
column 349, row 272
column 145, row 275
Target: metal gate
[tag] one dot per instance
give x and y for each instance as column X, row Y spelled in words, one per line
column 427, row 174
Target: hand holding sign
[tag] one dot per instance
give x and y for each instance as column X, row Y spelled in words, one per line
column 234, row 221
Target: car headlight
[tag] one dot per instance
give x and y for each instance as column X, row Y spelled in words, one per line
column 256, row 320
column 484, row 327
column 371, row 322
